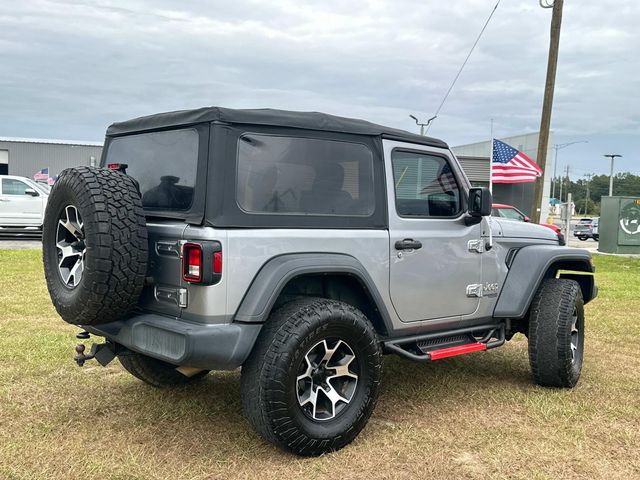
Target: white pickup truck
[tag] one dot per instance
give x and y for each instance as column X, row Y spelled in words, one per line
column 22, row 202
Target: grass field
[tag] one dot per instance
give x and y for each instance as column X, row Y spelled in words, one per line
column 476, row 416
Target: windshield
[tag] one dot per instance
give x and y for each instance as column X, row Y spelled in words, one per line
column 163, row 163
column 39, row 187
column 511, row 213
column 43, row 187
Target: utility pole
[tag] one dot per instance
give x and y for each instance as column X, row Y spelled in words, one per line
column 562, row 182
column 547, row 105
column 555, row 168
column 612, row 157
column 586, row 199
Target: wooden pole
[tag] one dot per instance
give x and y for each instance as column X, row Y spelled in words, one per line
column 547, row 106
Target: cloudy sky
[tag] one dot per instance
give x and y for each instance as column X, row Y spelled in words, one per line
column 70, row 68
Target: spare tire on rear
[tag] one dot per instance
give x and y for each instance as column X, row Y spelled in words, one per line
column 94, row 245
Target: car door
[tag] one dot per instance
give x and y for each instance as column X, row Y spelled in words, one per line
column 18, row 208
column 435, row 258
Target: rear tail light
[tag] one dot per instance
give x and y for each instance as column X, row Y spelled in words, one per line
column 192, row 263
column 202, row 262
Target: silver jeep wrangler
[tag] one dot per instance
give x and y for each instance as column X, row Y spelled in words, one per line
column 300, row 247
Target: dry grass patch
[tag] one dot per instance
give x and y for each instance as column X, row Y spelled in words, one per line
column 476, row 416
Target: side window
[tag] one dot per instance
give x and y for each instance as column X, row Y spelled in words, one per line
column 304, row 176
column 425, row 185
column 11, row 186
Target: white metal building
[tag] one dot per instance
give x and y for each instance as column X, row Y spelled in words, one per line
column 26, row 156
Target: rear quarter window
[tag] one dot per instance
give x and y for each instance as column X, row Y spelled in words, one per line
column 304, row 176
column 164, row 164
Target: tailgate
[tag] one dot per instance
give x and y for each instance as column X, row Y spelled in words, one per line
column 163, row 291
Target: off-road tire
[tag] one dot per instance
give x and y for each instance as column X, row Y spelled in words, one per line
column 550, row 326
column 268, row 380
column 156, row 372
column 115, row 238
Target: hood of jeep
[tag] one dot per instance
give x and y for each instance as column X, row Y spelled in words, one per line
column 503, row 227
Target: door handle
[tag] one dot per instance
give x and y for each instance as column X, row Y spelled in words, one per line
column 4, row 200
column 408, row 244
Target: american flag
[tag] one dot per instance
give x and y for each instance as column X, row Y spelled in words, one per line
column 42, row 175
column 512, row 166
column 444, row 182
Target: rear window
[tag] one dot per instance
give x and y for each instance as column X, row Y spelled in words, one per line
column 300, row 176
column 163, row 163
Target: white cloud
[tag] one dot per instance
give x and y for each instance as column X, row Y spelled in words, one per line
column 72, row 67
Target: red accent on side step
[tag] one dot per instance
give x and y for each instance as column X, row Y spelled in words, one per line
column 459, row 350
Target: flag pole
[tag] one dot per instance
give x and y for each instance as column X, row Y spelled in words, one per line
column 491, row 160
column 491, row 184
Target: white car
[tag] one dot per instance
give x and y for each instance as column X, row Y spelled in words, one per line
column 22, row 202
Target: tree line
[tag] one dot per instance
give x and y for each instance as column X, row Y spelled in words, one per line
column 624, row 184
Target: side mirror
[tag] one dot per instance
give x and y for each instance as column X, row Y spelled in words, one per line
column 480, row 202
column 31, row 191
column 527, row 219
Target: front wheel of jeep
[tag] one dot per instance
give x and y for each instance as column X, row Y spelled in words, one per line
column 312, row 379
column 556, row 333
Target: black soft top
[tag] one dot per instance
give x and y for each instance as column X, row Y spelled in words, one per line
column 270, row 117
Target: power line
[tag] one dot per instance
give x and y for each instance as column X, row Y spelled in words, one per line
column 465, row 62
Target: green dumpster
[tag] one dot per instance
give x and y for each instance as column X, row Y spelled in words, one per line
column 619, row 227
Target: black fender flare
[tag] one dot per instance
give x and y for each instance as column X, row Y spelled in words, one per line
column 530, row 266
column 278, row 271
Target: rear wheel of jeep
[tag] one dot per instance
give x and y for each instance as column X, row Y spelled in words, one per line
column 94, row 245
column 156, row 372
column 312, row 379
column 556, row 333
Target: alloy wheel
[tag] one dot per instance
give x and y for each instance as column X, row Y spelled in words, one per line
column 327, row 379
column 575, row 335
column 71, row 247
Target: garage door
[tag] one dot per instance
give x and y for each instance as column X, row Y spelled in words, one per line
column 4, row 162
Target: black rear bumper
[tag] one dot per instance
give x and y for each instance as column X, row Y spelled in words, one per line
column 173, row 340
